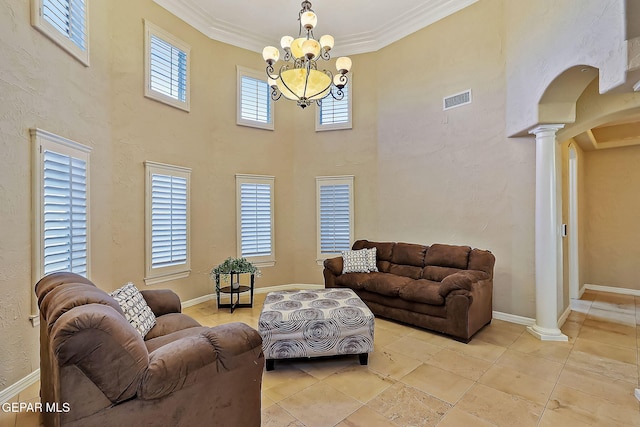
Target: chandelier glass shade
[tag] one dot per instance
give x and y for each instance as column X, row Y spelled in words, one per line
column 299, row 79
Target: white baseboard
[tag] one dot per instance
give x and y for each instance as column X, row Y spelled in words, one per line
column 520, row 320
column 563, row 317
column 613, row 289
column 15, row 389
column 265, row 290
column 581, row 292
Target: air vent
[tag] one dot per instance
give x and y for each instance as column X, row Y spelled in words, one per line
column 453, row 101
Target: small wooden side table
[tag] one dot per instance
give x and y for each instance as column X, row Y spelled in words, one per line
column 236, row 289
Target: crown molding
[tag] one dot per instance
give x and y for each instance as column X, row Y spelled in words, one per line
column 396, row 28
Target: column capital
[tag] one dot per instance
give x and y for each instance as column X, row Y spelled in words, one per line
column 546, row 129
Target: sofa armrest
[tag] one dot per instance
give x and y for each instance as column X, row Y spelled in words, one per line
column 162, row 301
column 179, row 364
column 462, row 280
column 334, row 265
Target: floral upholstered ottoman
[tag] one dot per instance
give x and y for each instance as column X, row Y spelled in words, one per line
column 310, row 323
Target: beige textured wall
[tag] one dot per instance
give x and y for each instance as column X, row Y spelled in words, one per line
column 41, row 86
column 611, row 189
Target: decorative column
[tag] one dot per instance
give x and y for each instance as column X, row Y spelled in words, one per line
column 547, row 248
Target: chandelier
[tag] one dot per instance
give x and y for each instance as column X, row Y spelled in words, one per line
column 299, row 79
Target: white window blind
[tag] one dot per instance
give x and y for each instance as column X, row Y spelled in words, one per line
column 255, row 217
column 255, row 107
column 167, row 222
column 167, row 67
column 335, row 114
column 65, row 22
column 335, row 214
column 65, row 213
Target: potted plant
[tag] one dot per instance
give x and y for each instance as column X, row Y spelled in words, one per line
column 235, row 266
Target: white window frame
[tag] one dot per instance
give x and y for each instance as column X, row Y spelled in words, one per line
column 330, row 181
column 246, row 72
column 154, row 275
column 63, row 40
column 337, row 126
column 260, row 261
column 47, row 141
column 150, row 30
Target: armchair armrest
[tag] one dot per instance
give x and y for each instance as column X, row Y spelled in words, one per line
column 462, row 280
column 178, row 364
column 162, row 301
column 334, row 265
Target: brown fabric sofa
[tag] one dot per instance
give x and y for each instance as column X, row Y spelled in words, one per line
column 95, row 365
column 443, row 288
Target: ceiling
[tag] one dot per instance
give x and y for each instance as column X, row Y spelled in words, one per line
column 358, row 26
column 620, row 133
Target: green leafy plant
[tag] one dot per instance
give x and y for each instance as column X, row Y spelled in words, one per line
column 234, row 265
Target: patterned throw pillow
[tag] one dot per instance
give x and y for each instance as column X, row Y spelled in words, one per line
column 135, row 308
column 360, row 261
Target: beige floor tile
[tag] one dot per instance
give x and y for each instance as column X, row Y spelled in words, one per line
column 497, row 334
column 478, row 349
column 31, row 392
column 614, row 300
column 589, row 295
column 322, row 367
column 320, row 405
column 459, row 364
column 609, row 333
column 457, row 418
column 623, row 317
column 578, row 316
column 8, row 418
column 499, row 408
column 555, row 351
column 438, row 383
column 407, row 406
column 616, row 362
column 360, row 383
column 28, row 419
column 275, row 416
column 580, row 306
column 517, row 383
column 598, row 385
column 384, row 337
column 431, row 337
column 570, row 404
column 398, row 328
column 366, row 417
column 392, row 364
column 266, row 402
column 415, row 348
column 571, row 328
column 284, row 382
column 537, row 367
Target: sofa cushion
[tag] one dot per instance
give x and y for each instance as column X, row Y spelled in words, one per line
column 447, row 256
column 423, row 291
column 353, row 280
column 384, row 250
column 481, row 260
column 386, row 284
column 135, row 308
column 406, row 270
column 359, row 261
column 169, row 323
column 435, row 273
column 155, row 343
column 409, row 254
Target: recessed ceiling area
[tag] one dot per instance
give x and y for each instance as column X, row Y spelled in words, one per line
column 358, row 26
column 620, row 133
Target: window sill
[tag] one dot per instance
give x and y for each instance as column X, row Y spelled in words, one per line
column 154, row 280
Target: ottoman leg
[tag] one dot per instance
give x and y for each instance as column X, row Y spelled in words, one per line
column 364, row 358
column 270, row 364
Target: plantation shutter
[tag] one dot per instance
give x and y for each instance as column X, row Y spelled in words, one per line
column 68, row 17
column 335, row 218
column 255, row 101
column 168, row 220
column 65, row 213
column 334, row 112
column 168, row 69
column 255, row 218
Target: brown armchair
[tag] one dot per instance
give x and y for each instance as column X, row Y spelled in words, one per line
column 96, row 365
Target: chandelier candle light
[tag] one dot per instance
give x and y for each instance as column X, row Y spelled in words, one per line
column 299, row 78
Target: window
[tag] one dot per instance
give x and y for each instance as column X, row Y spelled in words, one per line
column 332, row 114
column 255, row 218
column 167, row 61
column 66, row 23
column 335, row 215
column 61, row 205
column 167, row 222
column 255, row 106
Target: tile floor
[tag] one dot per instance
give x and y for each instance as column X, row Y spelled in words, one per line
column 503, row 377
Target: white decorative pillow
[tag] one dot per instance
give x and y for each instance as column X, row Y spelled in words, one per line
column 359, row 261
column 135, row 308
